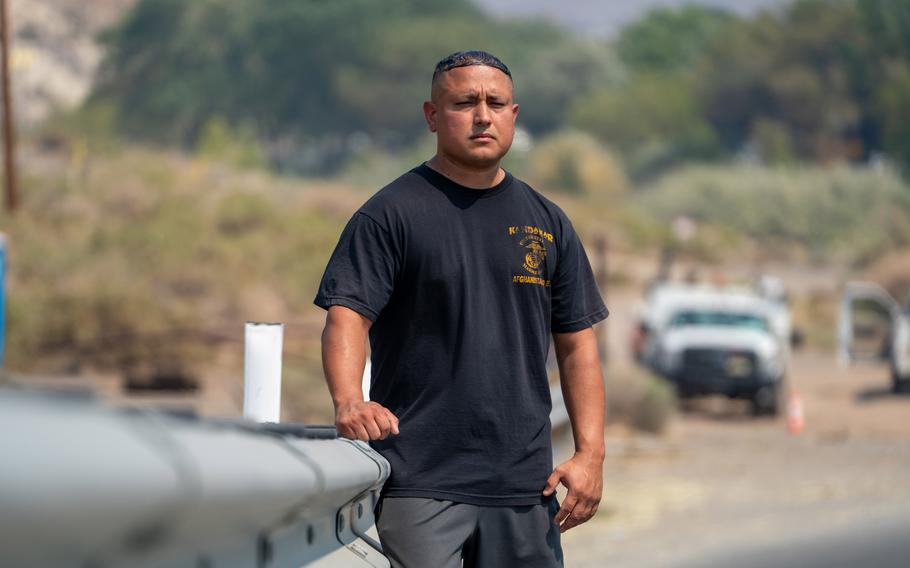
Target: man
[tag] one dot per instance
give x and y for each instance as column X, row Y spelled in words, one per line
column 459, row 273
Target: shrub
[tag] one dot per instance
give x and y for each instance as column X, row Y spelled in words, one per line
column 640, row 400
column 575, row 163
column 834, row 214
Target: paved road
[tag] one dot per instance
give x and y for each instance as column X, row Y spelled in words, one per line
column 877, row 541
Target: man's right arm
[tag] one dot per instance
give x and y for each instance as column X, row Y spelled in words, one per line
column 343, row 357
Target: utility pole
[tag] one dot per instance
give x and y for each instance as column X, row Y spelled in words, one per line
column 9, row 128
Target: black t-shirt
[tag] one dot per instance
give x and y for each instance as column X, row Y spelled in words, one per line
column 464, row 287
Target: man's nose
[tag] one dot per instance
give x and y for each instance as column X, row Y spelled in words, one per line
column 482, row 113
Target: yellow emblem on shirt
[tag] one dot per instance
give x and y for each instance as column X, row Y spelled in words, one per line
column 536, row 254
column 533, row 242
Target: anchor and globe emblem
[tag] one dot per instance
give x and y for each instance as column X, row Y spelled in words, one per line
column 535, row 255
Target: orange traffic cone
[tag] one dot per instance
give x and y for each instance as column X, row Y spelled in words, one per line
column 796, row 418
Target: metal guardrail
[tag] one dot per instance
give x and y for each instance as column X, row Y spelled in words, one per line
column 82, row 485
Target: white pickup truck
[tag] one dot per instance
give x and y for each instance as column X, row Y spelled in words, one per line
column 708, row 340
column 873, row 326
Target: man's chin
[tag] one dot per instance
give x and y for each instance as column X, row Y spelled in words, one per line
column 484, row 159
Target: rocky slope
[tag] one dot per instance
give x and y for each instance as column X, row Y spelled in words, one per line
column 55, row 51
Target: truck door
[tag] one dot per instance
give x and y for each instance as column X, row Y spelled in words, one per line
column 867, row 323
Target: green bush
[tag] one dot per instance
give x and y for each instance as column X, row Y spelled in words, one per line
column 839, row 213
column 575, row 163
column 235, row 146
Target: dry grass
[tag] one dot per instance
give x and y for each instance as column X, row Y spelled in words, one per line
column 145, row 263
column 892, row 271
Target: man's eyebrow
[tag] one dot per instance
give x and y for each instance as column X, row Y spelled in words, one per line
column 474, row 95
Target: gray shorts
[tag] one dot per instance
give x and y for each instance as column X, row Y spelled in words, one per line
column 417, row 532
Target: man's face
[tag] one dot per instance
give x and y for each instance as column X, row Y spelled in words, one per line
column 473, row 115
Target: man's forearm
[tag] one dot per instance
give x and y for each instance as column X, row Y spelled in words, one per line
column 582, row 384
column 583, row 391
column 344, row 354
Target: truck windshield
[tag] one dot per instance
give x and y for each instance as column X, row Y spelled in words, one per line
column 731, row 319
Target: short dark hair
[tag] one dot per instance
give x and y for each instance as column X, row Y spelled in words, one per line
column 466, row 58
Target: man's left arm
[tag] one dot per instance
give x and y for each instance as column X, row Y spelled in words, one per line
column 583, row 390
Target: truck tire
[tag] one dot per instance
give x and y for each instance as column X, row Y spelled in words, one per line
column 766, row 401
column 898, row 384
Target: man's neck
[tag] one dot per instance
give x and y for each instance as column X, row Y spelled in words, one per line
column 473, row 178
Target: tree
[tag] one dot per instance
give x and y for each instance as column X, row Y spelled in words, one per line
column 670, row 41
column 309, row 74
column 791, row 70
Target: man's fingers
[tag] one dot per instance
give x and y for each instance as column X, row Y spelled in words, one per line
column 552, row 482
column 347, row 430
column 570, row 523
column 360, row 433
column 567, row 505
column 366, row 421
column 582, row 513
column 393, row 421
column 382, row 421
column 373, row 429
column 575, row 518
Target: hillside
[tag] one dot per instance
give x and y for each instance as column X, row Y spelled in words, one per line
column 55, row 52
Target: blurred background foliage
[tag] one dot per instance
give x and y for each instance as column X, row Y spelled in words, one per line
column 316, row 83
column 205, row 178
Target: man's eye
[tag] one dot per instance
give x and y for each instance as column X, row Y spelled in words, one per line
column 463, row 103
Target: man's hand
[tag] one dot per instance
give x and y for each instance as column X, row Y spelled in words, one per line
column 343, row 354
column 583, row 476
column 359, row 420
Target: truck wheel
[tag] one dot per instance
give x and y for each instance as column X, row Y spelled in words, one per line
column 766, row 401
column 898, row 383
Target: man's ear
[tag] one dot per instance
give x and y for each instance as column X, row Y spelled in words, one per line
column 429, row 113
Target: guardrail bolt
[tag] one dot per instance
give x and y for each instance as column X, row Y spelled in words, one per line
column 359, row 510
column 340, row 523
column 309, row 534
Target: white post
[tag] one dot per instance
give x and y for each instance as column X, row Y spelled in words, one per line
column 367, row 379
column 262, row 371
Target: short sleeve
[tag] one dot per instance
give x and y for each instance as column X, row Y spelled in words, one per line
column 576, row 302
column 361, row 272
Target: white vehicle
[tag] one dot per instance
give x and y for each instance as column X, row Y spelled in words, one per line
column 727, row 341
column 873, row 326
